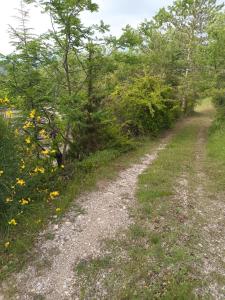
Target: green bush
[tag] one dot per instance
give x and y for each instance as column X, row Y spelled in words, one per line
column 96, row 133
column 21, row 188
column 9, row 157
column 144, row 106
column 219, row 98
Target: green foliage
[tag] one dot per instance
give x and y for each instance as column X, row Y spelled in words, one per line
column 218, row 98
column 9, row 158
column 27, row 183
column 144, row 106
column 24, row 179
column 216, row 154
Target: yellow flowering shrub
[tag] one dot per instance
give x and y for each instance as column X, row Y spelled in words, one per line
column 27, row 158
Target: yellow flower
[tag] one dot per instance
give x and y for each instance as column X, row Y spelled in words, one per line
column 45, row 152
column 16, row 132
column 27, row 125
column 20, row 182
column 62, row 166
column 4, row 101
column 32, row 114
column 58, row 210
column 54, row 194
column 12, row 222
column 22, row 166
column 43, row 134
column 1, row 173
column 53, row 151
column 27, row 140
column 24, row 201
column 39, row 170
column 8, row 200
column 38, row 118
column 7, row 245
column 8, row 114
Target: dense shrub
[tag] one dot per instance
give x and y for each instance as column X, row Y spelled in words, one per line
column 144, row 105
column 99, row 133
column 218, row 97
column 26, row 182
column 9, row 167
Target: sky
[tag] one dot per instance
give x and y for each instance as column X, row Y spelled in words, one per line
column 116, row 13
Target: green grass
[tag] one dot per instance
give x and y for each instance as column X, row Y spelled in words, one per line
column 216, row 155
column 154, row 259
column 97, row 264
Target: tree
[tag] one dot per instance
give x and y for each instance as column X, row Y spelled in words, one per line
column 185, row 24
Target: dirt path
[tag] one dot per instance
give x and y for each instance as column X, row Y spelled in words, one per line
column 52, row 276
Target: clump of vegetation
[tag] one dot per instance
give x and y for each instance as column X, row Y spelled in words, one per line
column 144, row 106
column 28, row 185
